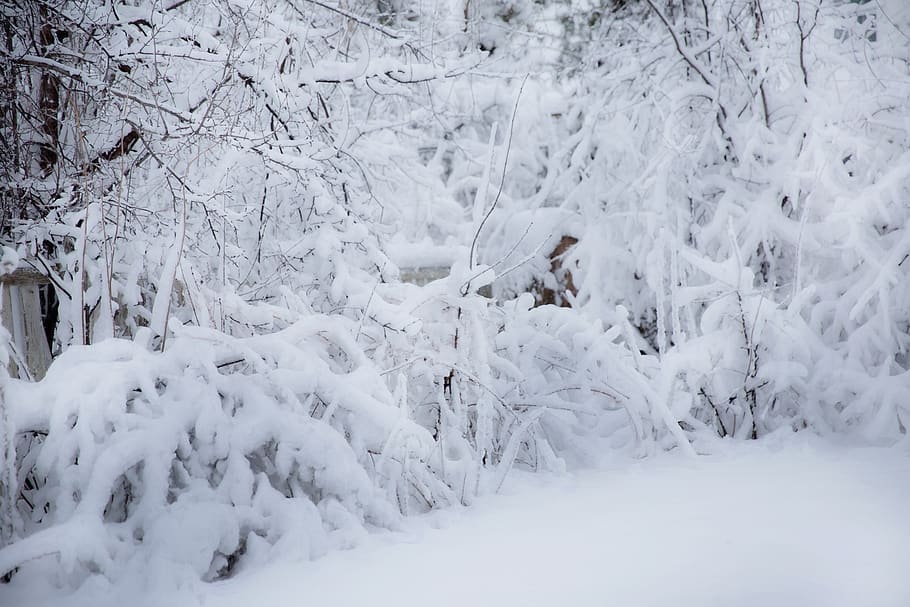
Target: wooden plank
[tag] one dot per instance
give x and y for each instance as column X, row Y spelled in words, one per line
column 24, row 276
column 37, row 352
column 21, row 316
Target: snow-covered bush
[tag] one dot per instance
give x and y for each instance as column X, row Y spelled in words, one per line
column 208, row 197
column 237, row 446
column 736, row 177
column 297, row 441
column 790, row 203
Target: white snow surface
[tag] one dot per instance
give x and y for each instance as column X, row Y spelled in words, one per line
column 798, row 523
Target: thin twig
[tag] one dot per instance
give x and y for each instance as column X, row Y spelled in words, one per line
column 502, row 180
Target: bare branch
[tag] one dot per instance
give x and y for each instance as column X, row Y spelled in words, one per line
column 89, row 80
column 355, row 18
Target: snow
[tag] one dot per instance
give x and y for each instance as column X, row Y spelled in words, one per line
column 270, row 344
column 801, row 522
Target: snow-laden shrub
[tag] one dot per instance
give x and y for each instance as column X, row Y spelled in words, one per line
column 211, row 153
column 224, row 451
column 784, row 251
column 589, row 384
column 214, row 449
column 738, row 183
column 512, row 384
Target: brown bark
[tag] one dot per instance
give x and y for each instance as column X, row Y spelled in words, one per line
column 48, row 104
column 563, row 276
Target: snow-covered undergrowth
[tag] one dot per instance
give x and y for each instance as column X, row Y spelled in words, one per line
column 214, row 449
column 736, row 175
column 222, row 450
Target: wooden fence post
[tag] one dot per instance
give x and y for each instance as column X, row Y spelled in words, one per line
column 22, row 317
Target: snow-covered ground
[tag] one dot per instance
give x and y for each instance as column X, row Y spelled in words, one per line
column 798, row 524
